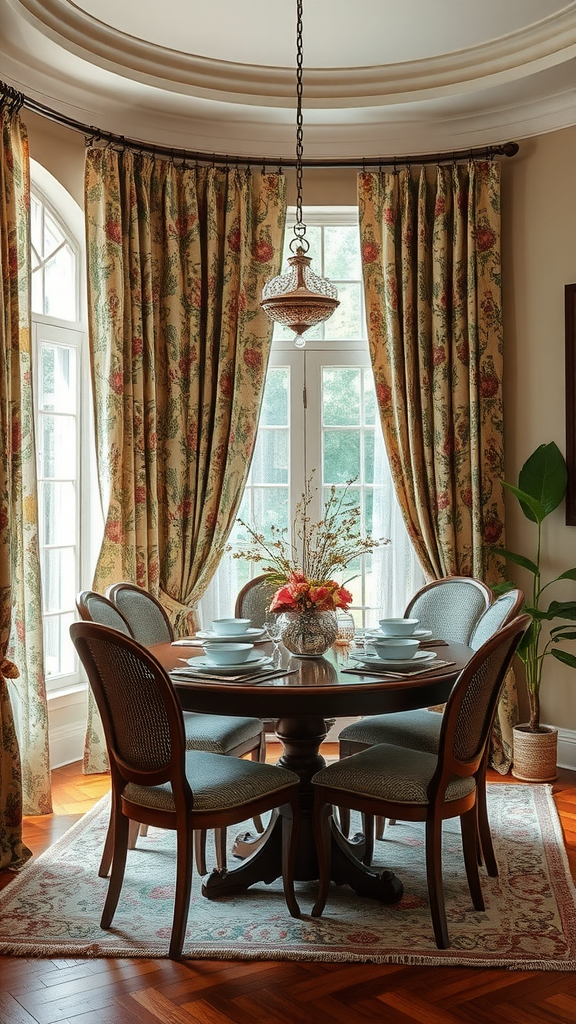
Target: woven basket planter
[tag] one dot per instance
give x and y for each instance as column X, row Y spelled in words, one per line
column 535, row 754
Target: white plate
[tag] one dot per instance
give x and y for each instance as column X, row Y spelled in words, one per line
column 254, row 662
column 251, row 634
column 418, row 634
column 420, row 658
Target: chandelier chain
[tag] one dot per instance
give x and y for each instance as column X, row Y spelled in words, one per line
column 299, row 227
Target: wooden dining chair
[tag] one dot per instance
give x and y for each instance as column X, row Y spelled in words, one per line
column 146, row 617
column 232, row 736
column 415, row 785
column 450, row 607
column 157, row 781
column 420, row 730
column 253, row 601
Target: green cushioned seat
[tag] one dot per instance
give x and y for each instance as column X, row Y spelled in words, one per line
column 219, row 734
column 419, row 730
column 216, row 783
column 390, row 773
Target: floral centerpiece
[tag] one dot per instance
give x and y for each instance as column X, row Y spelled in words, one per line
column 304, row 567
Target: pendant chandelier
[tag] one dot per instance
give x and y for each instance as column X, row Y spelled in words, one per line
column 299, row 299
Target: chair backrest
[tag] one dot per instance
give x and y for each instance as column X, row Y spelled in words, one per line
column 253, row 600
column 471, row 707
column 93, row 607
column 500, row 613
column 140, row 711
column 450, row 607
column 147, row 619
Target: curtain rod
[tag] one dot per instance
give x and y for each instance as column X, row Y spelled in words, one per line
column 93, row 134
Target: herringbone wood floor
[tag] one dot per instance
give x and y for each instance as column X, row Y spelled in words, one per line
column 213, row 992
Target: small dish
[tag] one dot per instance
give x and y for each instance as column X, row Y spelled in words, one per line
column 399, row 648
column 398, row 627
column 230, row 627
column 254, row 663
column 227, row 654
column 420, row 659
column 251, row 635
column 418, row 634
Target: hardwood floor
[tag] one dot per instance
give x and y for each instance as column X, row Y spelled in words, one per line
column 222, row 992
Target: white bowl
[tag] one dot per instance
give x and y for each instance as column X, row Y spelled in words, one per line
column 401, row 649
column 398, row 627
column 229, row 627
column 227, row 654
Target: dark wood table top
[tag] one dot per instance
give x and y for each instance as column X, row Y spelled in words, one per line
column 319, row 686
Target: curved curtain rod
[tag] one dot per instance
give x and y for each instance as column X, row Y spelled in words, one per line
column 93, row 134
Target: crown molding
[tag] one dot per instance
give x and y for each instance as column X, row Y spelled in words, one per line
column 550, row 42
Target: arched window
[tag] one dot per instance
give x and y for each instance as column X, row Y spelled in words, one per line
column 58, row 359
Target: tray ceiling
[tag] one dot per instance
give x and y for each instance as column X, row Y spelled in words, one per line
column 381, row 78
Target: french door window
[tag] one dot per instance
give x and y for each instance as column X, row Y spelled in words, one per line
column 319, row 422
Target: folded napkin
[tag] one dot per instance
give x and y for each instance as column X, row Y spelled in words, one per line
column 181, row 674
column 433, row 643
column 431, row 667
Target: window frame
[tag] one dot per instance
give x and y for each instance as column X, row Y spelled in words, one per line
column 69, row 219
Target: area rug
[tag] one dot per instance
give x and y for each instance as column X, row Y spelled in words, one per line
column 53, row 907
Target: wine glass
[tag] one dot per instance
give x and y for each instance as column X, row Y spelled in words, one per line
column 273, row 632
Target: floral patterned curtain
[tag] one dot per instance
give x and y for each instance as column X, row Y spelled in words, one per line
column 177, row 257
column 432, row 280
column 24, row 765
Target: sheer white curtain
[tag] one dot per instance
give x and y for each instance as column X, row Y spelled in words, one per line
column 396, row 571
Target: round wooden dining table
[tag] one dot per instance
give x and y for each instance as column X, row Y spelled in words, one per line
column 309, row 691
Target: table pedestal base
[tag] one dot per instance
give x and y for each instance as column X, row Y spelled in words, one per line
column 263, row 853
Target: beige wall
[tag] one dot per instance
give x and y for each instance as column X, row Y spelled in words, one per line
column 539, row 258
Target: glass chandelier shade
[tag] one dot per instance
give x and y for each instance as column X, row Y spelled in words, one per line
column 299, row 298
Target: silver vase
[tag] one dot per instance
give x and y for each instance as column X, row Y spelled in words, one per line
column 309, row 633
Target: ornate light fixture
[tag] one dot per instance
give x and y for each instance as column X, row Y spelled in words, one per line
column 299, row 299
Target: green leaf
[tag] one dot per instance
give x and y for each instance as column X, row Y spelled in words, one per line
column 570, row 574
column 528, row 640
column 565, row 658
column 501, row 588
column 544, row 477
column 531, row 507
column 511, row 556
column 562, row 633
column 562, row 610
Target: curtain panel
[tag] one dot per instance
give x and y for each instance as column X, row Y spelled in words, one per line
column 177, row 257
column 24, row 761
column 432, row 279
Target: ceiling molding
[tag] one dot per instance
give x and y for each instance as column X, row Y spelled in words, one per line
column 550, row 42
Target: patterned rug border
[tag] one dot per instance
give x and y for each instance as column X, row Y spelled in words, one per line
column 553, row 844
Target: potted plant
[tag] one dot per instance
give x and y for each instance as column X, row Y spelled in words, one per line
column 541, row 487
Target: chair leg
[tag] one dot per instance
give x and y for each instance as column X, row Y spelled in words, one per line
column 259, row 754
column 133, row 833
column 468, row 824
column 120, row 832
column 434, row 879
column 200, row 851
column 380, row 826
column 184, row 851
column 344, row 821
column 322, row 813
column 290, row 835
column 220, row 835
column 106, row 861
column 368, row 830
column 484, row 833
